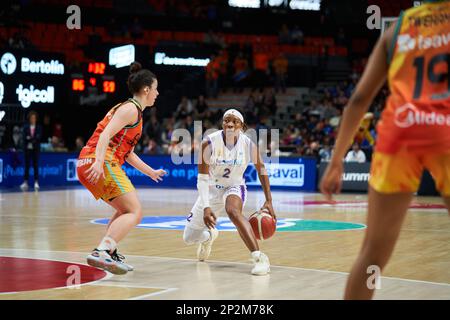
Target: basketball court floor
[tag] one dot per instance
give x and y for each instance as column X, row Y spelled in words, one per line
column 45, row 237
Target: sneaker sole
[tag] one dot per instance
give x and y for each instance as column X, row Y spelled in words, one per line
column 114, row 269
column 261, row 274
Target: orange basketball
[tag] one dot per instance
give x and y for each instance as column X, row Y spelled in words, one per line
column 263, row 224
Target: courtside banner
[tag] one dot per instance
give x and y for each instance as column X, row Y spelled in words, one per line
column 60, row 169
column 355, row 178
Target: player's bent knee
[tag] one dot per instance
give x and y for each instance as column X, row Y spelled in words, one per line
column 233, row 213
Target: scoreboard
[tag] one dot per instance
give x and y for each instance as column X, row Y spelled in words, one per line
column 93, row 85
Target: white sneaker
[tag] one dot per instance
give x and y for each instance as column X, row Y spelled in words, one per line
column 24, row 186
column 36, row 186
column 120, row 258
column 262, row 265
column 104, row 260
column 204, row 248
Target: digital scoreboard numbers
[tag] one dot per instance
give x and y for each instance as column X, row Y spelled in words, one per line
column 93, row 85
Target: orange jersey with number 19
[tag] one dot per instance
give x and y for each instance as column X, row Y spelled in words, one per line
column 417, row 112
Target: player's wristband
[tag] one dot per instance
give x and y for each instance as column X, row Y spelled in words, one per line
column 203, row 188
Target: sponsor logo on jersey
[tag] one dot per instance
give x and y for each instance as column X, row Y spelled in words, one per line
column 409, row 115
column 406, row 43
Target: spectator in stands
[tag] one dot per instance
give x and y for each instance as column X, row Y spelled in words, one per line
column 212, row 77
column 299, row 121
column 166, row 136
column 152, row 148
column 329, row 110
column 152, row 128
column 200, row 107
column 356, row 154
column 341, row 100
column 240, row 71
column 297, row 36
column 222, row 65
column 189, row 124
column 57, row 145
column 57, row 130
column 250, row 109
column 280, row 66
column 313, row 150
column 79, row 144
column 47, row 131
column 270, row 101
column 260, row 70
column 284, row 35
column 32, row 134
column 184, row 108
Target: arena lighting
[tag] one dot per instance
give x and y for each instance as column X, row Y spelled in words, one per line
column 313, row 5
column 275, row 3
column 121, row 56
column 245, row 3
column 161, row 58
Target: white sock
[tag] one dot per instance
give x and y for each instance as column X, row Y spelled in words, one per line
column 107, row 243
column 256, row 255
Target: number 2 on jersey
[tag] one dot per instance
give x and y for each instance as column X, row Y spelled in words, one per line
column 227, row 173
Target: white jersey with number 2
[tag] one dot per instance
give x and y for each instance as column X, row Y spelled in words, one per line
column 227, row 165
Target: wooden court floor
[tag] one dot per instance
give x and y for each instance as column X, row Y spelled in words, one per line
column 310, row 261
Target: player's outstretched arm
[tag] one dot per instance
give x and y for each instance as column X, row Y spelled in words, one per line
column 371, row 81
column 136, row 162
column 263, row 178
column 203, row 184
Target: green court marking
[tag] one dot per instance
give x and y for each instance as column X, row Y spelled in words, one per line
column 296, row 225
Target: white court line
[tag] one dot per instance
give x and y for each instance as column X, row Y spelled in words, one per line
column 248, row 264
column 153, row 294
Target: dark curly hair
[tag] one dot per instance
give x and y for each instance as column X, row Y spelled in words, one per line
column 139, row 78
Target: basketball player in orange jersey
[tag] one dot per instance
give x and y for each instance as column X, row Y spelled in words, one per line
column 413, row 133
column 99, row 167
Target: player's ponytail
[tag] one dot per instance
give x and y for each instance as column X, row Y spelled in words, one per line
column 139, row 78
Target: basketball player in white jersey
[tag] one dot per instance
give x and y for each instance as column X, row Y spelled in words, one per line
column 225, row 155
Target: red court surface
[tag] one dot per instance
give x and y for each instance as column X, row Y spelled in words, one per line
column 23, row 274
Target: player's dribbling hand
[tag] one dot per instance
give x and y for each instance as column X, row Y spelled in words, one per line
column 332, row 180
column 95, row 172
column 209, row 218
column 268, row 205
column 156, row 175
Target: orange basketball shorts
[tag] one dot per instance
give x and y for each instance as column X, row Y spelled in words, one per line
column 113, row 185
column 402, row 171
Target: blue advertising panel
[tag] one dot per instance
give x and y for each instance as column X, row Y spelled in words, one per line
column 59, row 169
